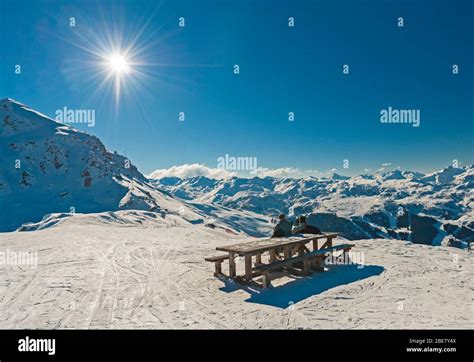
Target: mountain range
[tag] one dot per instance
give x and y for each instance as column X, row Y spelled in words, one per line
column 51, row 171
column 433, row 209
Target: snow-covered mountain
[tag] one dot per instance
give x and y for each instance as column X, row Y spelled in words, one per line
column 429, row 209
column 51, row 168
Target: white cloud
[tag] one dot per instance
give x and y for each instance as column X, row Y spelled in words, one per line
column 386, row 164
column 191, row 170
column 195, row 169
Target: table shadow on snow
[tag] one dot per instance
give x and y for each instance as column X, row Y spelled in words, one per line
column 300, row 288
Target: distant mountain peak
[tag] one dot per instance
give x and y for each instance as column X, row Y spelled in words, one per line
column 9, row 100
column 336, row 176
column 393, row 175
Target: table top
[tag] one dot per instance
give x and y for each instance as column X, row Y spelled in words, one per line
column 261, row 245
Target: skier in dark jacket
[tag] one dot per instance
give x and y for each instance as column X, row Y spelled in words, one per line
column 303, row 227
column 282, row 228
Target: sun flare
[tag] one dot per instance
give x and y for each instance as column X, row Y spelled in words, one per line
column 118, row 64
column 118, row 59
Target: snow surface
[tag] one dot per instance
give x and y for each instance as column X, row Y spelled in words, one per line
column 132, row 269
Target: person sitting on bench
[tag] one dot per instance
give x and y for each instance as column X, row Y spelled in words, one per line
column 282, row 228
column 302, row 227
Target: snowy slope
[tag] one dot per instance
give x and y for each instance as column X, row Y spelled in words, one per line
column 108, row 271
column 51, row 168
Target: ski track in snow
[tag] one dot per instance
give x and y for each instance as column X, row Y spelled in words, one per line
column 107, row 276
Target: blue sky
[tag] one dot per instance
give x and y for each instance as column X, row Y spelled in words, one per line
column 282, row 70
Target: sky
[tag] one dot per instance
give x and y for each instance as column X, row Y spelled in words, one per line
column 171, row 69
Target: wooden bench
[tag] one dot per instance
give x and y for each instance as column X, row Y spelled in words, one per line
column 296, row 250
column 217, row 260
column 265, row 269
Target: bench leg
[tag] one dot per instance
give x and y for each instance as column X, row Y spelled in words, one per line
column 328, row 242
column 248, row 267
column 231, row 265
column 266, row 280
column 306, row 266
column 218, row 271
column 272, row 255
column 317, row 264
column 346, row 255
column 258, row 259
column 300, row 250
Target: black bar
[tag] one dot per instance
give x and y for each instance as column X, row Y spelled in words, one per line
column 316, row 345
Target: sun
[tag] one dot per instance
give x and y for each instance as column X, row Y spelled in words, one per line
column 118, row 64
column 119, row 58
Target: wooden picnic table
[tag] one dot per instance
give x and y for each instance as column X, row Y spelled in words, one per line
column 289, row 246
